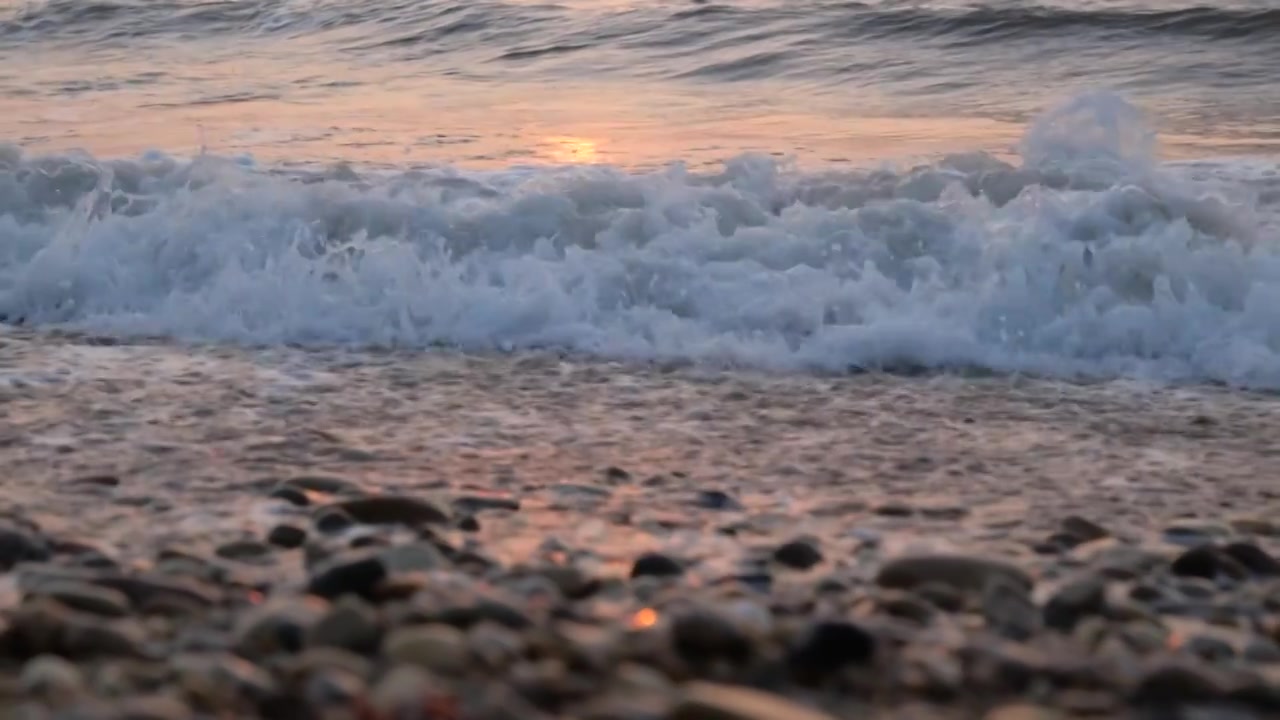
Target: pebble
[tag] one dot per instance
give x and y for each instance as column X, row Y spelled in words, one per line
column 716, row 500
column 51, row 677
column 829, row 645
column 801, row 554
column 1253, row 558
column 287, row 536
column 895, row 509
column 1206, row 561
column 332, row 521
column 244, row 550
column 709, row 701
column 19, row 545
column 963, row 572
column 702, row 637
column 278, row 626
column 351, row 624
column 439, row 648
column 1009, row 611
column 85, row 597
column 292, row 495
column 472, row 504
column 1083, row 529
column 392, row 510
column 1073, row 602
column 357, row 575
column 656, row 565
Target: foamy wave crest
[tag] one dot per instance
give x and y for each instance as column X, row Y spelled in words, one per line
column 1088, row 259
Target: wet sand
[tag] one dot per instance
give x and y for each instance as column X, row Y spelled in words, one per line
column 794, row 495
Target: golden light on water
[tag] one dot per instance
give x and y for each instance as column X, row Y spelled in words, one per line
column 568, row 149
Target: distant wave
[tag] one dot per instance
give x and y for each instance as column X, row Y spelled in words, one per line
column 430, row 20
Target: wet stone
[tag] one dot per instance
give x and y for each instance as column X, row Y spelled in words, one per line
column 1009, row 611
column 962, row 572
column 291, row 495
column 359, row 575
column 468, row 523
column 392, row 510
column 438, row 648
column 287, row 536
column 279, row 626
column 1206, row 561
column 86, row 597
column 830, row 645
column 1208, row 648
column 895, row 509
column 656, row 565
column 716, row 500
column 243, row 550
column 332, row 521
column 351, row 624
column 472, row 504
column 1253, row 558
column 800, row 554
column 702, row 637
column 20, row 545
column 1073, row 602
column 1083, row 529
column 51, row 677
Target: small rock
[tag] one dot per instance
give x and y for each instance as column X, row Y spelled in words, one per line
column 392, row 510
column 1208, row 648
column 19, row 545
column 830, row 645
column 895, row 508
column 413, row 557
column 351, row 624
column 278, row 626
column 400, row 692
column 962, row 572
column 85, row 597
column 1261, row 651
column 106, row 481
column 1073, row 602
column 1083, row 529
column 616, row 475
column 716, row 500
column 1171, row 683
column 1206, row 561
column 332, row 521
column 1253, row 558
column 703, row 637
column 287, row 536
column 1256, row 526
column 222, row 682
column 708, row 701
column 468, row 523
column 472, row 504
column 358, row 575
column 52, row 678
column 439, row 648
column 1009, row 611
column 800, row 554
column 243, row 550
column 657, row 565
column 1192, row 534
column 291, row 495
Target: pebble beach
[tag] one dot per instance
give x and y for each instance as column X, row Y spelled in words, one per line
column 218, row 533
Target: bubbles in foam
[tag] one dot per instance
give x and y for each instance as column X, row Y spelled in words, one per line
column 1089, row 259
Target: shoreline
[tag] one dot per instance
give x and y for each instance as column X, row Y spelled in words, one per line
column 525, row 536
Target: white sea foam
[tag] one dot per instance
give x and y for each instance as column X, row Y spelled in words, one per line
column 1090, row 258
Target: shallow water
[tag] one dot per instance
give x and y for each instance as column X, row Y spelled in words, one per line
column 804, row 187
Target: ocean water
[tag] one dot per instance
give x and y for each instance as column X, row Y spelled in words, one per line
column 1085, row 188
